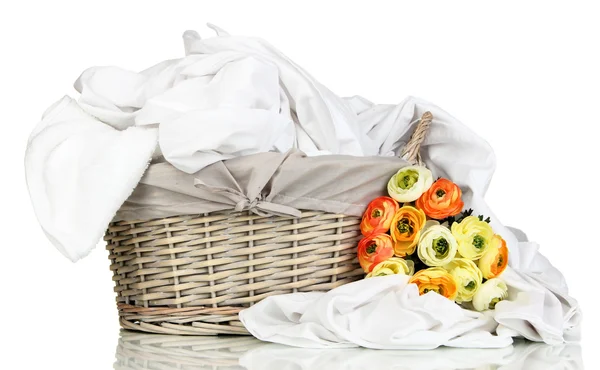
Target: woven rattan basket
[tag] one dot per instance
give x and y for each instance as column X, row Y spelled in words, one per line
column 192, row 274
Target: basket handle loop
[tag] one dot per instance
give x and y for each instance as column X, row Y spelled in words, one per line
column 411, row 151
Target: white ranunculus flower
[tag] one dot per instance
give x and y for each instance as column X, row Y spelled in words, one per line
column 437, row 246
column 489, row 294
column 408, row 184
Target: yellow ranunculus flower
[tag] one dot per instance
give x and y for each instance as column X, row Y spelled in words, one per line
column 437, row 246
column 435, row 279
column 490, row 293
column 473, row 237
column 393, row 266
column 408, row 184
column 468, row 278
column 494, row 261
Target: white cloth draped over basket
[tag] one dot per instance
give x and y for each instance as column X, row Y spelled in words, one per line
column 223, row 106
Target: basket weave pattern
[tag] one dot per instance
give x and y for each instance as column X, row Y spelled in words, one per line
column 193, row 274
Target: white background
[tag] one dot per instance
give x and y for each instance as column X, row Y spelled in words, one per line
column 523, row 75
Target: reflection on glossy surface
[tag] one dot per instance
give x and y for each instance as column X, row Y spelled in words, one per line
column 153, row 351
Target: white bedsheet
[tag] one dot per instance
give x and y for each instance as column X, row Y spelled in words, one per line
column 388, row 313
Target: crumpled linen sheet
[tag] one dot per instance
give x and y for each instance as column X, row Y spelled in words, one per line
column 79, row 171
column 388, row 313
column 230, row 99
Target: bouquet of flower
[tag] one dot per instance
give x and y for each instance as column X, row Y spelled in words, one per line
column 421, row 230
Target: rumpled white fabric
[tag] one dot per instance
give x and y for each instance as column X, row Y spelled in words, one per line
column 230, row 96
column 388, row 313
column 79, row 171
column 233, row 96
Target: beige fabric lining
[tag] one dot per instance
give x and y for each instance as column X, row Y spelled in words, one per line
column 265, row 183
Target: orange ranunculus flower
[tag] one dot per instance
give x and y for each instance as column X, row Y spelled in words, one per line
column 406, row 229
column 443, row 199
column 378, row 216
column 435, row 279
column 373, row 250
column 495, row 259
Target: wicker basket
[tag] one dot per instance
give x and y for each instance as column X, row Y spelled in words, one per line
column 192, row 274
